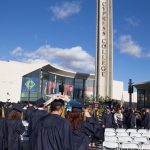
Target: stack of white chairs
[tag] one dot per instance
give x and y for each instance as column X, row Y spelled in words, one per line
column 127, row 139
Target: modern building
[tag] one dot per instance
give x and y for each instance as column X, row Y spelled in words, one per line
column 143, row 94
column 30, row 81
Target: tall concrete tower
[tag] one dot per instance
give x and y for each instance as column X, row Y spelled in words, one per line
column 104, row 49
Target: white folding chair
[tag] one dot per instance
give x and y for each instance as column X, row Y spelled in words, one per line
column 112, row 145
column 135, row 134
column 122, row 134
column 124, row 139
column 140, row 140
column 147, row 135
column 129, row 146
column 111, row 138
column 142, row 131
column 109, row 130
column 120, row 130
column 145, row 146
column 131, row 130
column 110, row 133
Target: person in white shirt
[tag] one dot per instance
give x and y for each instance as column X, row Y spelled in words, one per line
column 118, row 117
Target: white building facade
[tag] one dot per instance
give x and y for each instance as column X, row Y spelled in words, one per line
column 12, row 74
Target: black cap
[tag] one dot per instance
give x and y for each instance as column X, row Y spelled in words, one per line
column 57, row 102
column 77, row 107
column 1, row 104
column 88, row 104
column 39, row 102
column 17, row 107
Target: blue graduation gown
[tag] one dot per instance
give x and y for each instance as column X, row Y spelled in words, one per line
column 15, row 129
column 3, row 134
column 108, row 120
column 54, row 133
column 146, row 121
column 86, row 130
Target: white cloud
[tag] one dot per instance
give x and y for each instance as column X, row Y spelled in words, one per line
column 64, row 10
column 133, row 21
column 75, row 58
column 17, row 51
column 127, row 45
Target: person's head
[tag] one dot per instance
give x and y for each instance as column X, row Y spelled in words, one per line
column 108, row 111
column 14, row 115
column 147, row 110
column 16, row 112
column 75, row 118
column 119, row 110
column 76, row 115
column 57, row 106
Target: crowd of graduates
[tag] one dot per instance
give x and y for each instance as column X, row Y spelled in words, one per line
column 50, row 126
column 126, row 118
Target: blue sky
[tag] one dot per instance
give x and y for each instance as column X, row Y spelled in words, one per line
column 63, row 32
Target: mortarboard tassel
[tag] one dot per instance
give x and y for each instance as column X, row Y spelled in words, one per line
column 3, row 114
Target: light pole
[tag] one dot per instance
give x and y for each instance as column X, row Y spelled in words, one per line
column 130, row 91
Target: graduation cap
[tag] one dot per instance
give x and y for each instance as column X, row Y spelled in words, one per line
column 39, row 102
column 57, row 100
column 1, row 104
column 17, row 107
column 88, row 104
column 77, row 107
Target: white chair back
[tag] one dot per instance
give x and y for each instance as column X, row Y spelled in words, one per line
column 145, row 146
column 142, row 131
column 111, row 138
column 140, row 140
column 129, row 146
column 135, row 134
column 112, row 145
column 110, row 133
column 124, row 139
column 122, row 134
column 147, row 135
column 109, row 130
column 131, row 130
column 120, row 130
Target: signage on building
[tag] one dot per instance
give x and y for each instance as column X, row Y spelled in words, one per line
column 104, row 42
column 30, row 84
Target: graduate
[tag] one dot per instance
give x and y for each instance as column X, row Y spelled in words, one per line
column 53, row 131
column 33, row 115
column 146, row 120
column 15, row 128
column 108, row 119
column 131, row 119
column 84, row 126
column 3, row 129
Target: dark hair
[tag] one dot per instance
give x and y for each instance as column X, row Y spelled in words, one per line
column 14, row 115
column 55, row 108
column 75, row 119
